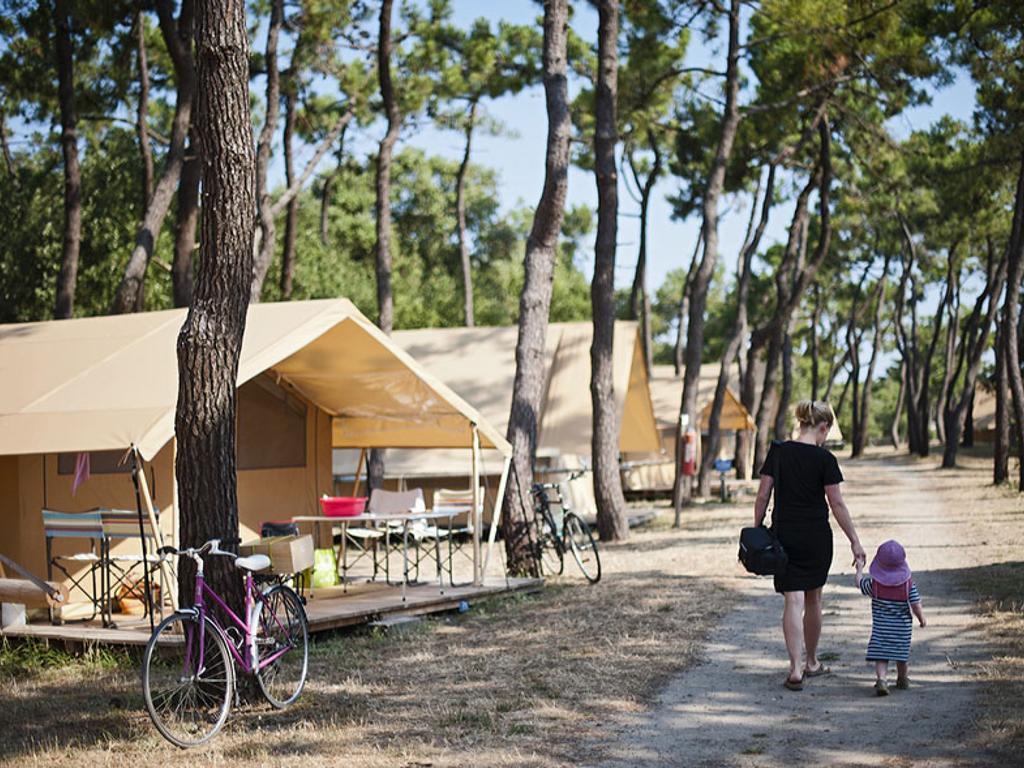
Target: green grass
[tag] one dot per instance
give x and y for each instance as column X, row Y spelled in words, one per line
column 26, row 657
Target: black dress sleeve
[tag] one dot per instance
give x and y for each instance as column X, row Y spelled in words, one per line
column 771, row 461
column 831, row 474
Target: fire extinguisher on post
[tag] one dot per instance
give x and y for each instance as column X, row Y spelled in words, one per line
column 688, row 466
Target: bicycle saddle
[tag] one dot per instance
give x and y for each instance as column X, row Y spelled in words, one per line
column 253, row 563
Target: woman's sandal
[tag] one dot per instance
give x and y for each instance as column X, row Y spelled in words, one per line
column 821, row 670
column 794, row 685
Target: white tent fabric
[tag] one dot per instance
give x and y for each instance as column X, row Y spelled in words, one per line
column 110, row 382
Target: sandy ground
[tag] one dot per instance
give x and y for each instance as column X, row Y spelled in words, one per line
column 675, row 658
column 731, row 709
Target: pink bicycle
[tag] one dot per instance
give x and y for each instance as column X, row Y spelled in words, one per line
column 188, row 669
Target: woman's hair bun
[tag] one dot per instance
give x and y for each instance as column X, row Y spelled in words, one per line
column 811, row 413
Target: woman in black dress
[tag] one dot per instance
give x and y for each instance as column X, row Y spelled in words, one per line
column 804, row 476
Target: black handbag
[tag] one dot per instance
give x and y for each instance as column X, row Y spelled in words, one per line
column 761, row 551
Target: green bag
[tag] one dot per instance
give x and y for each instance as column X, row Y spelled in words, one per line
column 325, row 568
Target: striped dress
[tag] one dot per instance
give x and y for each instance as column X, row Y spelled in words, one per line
column 891, row 625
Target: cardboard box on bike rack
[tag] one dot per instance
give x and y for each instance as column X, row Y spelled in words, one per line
column 288, row 554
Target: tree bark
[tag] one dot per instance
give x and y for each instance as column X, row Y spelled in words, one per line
column 182, row 282
column 385, row 301
column 460, row 214
column 679, row 354
column 1001, row 452
column 178, row 38
column 774, row 332
column 142, row 112
column 210, row 340
column 1015, row 270
column 292, row 217
column 535, row 300
column 861, row 432
column 639, row 297
column 736, row 341
column 67, row 278
column 815, row 345
column 267, row 241
column 972, row 347
column 952, row 310
column 612, row 524
column 698, row 290
column 894, row 428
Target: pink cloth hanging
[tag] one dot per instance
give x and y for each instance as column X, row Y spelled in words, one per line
column 81, row 471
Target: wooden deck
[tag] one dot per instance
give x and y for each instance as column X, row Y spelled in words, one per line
column 326, row 609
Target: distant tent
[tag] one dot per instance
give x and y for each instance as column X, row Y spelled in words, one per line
column 479, row 364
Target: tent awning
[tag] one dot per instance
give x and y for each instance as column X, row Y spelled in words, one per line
column 110, row 382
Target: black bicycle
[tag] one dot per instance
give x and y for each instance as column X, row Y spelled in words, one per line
column 558, row 535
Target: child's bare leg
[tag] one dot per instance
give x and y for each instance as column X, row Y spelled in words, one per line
column 901, row 674
column 881, row 669
column 792, row 630
column 812, row 626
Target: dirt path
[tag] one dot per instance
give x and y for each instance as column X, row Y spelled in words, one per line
column 731, row 710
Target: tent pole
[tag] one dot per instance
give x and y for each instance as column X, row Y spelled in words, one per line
column 359, row 471
column 496, row 514
column 478, row 574
column 157, row 533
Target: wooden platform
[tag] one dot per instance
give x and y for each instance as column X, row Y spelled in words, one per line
column 326, row 609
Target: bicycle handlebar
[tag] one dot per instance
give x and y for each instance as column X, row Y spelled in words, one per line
column 211, row 547
column 574, row 474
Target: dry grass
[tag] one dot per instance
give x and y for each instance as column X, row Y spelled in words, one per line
column 526, row 681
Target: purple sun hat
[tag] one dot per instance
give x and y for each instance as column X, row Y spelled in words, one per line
column 889, row 567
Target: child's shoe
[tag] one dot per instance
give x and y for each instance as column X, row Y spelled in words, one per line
column 903, row 683
column 881, row 688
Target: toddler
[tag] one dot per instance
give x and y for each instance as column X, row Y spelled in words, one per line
column 893, row 596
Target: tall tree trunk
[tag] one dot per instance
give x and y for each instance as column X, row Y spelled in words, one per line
column 178, row 38
column 972, row 347
column 612, row 524
column 1015, row 271
column 328, row 190
column 815, row 344
column 639, row 297
column 210, row 341
column 291, row 221
column 72, row 239
column 267, row 240
column 460, row 215
column 185, row 227
column 739, row 330
column 698, row 289
column 774, row 331
column 142, row 112
column 861, row 433
column 535, row 300
column 679, row 353
column 5, row 147
column 1001, row 454
column 385, row 300
column 786, row 393
column 952, row 310
column 894, row 428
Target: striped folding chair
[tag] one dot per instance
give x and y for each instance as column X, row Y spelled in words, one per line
column 121, row 568
column 77, row 525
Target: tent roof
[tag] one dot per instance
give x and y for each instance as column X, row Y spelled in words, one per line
column 479, row 364
column 111, row 382
column 667, row 393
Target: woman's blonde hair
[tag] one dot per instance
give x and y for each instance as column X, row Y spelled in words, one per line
column 811, row 413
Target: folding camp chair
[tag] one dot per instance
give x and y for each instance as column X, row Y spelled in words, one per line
column 124, row 524
column 404, row 503
column 77, row 525
column 459, row 504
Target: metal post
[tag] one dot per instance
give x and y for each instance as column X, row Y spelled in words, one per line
column 496, row 514
column 477, row 516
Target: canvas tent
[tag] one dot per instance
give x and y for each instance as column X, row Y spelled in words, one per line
column 479, row 364
column 312, row 375
column 644, row 474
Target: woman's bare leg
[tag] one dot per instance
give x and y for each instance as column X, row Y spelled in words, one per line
column 792, row 630
column 812, row 626
column 901, row 671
